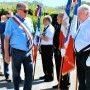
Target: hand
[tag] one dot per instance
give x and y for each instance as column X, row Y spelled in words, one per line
column 7, row 59
column 63, row 51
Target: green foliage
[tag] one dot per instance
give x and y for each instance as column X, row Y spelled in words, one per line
column 4, row 7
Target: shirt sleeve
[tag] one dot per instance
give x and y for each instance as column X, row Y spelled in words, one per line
column 8, row 28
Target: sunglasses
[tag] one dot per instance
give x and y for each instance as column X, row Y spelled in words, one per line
column 25, row 11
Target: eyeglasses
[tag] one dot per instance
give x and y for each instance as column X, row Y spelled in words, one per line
column 25, row 11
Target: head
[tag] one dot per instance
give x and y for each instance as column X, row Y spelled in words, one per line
column 9, row 14
column 3, row 18
column 22, row 9
column 83, row 12
column 60, row 18
column 47, row 20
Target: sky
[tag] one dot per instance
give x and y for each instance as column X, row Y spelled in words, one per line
column 51, row 3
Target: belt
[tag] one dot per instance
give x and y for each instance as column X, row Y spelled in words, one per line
column 18, row 50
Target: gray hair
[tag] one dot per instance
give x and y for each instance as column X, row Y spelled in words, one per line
column 85, row 8
column 22, row 6
column 48, row 17
column 61, row 14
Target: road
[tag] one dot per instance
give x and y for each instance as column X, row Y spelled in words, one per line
column 37, row 84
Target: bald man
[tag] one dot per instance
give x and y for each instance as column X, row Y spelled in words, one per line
column 82, row 40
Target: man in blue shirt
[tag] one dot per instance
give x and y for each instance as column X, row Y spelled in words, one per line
column 82, row 40
column 18, row 41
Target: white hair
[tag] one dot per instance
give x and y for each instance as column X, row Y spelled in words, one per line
column 85, row 8
column 48, row 17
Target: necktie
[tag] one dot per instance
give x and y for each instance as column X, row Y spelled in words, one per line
column 44, row 31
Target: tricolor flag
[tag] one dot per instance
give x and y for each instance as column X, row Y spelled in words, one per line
column 38, row 31
column 38, row 11
column 65, row 24
column 69, row 58
column 38, row 14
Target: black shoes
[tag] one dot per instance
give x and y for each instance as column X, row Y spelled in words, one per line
column 43, row 77
column 46, row 78
column 63, row 87
column 55, row 87
column 8, row 79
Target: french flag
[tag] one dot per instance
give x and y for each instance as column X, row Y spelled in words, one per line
column 65, row 24
column 37, row 33
column 69, row 58
column 38, row 11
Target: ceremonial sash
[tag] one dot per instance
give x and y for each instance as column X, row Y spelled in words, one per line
column 25, row 29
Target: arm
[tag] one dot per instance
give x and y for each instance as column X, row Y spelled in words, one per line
column 7, row 34
column 49, row 35
column 45, row 38
column 6, row 49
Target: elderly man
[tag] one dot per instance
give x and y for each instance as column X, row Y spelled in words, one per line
column 82, row 40
column 18, row 33
column 64, row 83
column 47, row 49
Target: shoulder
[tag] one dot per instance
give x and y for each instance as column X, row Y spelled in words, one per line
column 51, row 28
column 10, row 21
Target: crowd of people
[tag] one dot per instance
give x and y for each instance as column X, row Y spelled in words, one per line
column 17, row 43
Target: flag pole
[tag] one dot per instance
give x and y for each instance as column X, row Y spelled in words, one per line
column 76, row 82
column 34, row 59
column 60, row 73
column 34, row 69
column 38, row 14
column 76, row 87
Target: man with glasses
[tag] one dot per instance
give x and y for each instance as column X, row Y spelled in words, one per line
column 82, row 47
column 18, row 31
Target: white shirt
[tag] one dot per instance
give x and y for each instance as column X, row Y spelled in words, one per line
column 49, row 32
column 83, row 37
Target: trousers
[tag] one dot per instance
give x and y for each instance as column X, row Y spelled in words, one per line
column 18, row 59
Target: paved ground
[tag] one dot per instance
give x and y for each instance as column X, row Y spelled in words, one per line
column 38, row 84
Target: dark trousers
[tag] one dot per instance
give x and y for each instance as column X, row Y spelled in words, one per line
column 18, row 58
column 65, row 79
column 83, row 73
column 47, row 57
column 87, row 78
column 6, row 65
column 57, row 56
column 6, row 70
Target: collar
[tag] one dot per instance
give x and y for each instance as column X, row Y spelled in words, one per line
column 47, row 26
column 85, row 20
column 21, row 19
